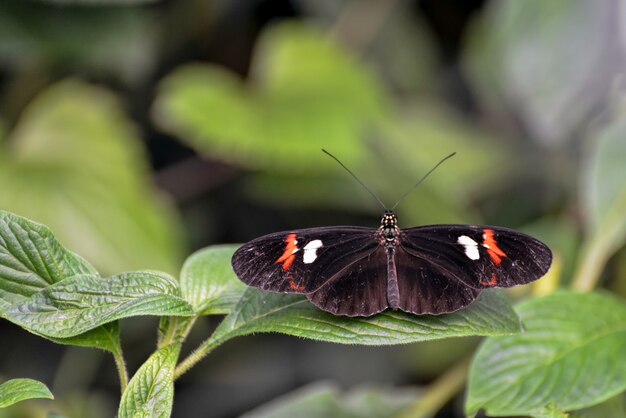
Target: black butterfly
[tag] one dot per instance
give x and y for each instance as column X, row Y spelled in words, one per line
column 357, row 271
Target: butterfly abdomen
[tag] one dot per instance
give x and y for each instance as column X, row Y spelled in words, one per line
column 393, row 292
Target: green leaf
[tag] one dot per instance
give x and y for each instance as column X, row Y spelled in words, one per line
column 32, row 259
column 604, row 197
column 208, row 282
column 150, row 392
column 327, row 400
column 81, row 303
column 304, row 92
column 105, row 337
column 572, row 355
column 17, row 390
column 75, row 162
column 259, row 311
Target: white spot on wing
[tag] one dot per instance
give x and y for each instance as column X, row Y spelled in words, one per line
column 310, row 251
column 471, row 247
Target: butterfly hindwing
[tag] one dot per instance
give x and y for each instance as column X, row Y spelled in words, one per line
column 478, row 256
column 360, row 289
column 301, row 261
column 425, row 288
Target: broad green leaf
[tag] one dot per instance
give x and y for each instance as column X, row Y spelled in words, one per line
column 604, row 197
column 81, row 303
column 259, row 311
column 150, row 392
column 304, row 92
column 75, row 162
column 327, row 400
column 572, row 355
column 208, row 282
column 105, row 337
column 17, row 390
column 549, row 60
column 32, row 259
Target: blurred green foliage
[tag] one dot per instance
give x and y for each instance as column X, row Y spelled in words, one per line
column 301, row 90
column 74, row 162
column 321, row 400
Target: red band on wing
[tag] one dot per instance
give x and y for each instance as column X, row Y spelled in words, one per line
column 294, row 286
column 289, row 254
column 490, row 282
column 492, row 246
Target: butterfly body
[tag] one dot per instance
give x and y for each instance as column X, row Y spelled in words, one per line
column 357, row 271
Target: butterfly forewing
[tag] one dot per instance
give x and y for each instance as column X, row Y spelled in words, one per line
column 478, row 256
column 301, row 261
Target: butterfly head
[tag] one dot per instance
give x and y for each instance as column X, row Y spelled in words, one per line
column 389, row 225
column 388, row 220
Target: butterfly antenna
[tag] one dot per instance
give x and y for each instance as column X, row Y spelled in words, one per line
column 408, row 192
column 355, row 177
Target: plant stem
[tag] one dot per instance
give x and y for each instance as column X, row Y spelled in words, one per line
column 176, row 331
column 439, row 392
column 121, row 369
column 198, row 354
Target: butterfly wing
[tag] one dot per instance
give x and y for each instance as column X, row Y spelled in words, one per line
column 426, row 288
column 360, row 289
column 478, row 256
column 302, row 261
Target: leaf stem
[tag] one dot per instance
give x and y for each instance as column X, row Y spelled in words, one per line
column 121, row 369
column 439, row 392
column 198, row 354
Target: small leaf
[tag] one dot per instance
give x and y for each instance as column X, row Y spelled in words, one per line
column 208, row 283
column 32, row 259
column 259, row 311
column 81, row 303
column 17, row 390
column 150, row 392
column 572, row 355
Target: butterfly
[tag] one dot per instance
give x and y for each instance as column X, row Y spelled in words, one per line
column 359, row 271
